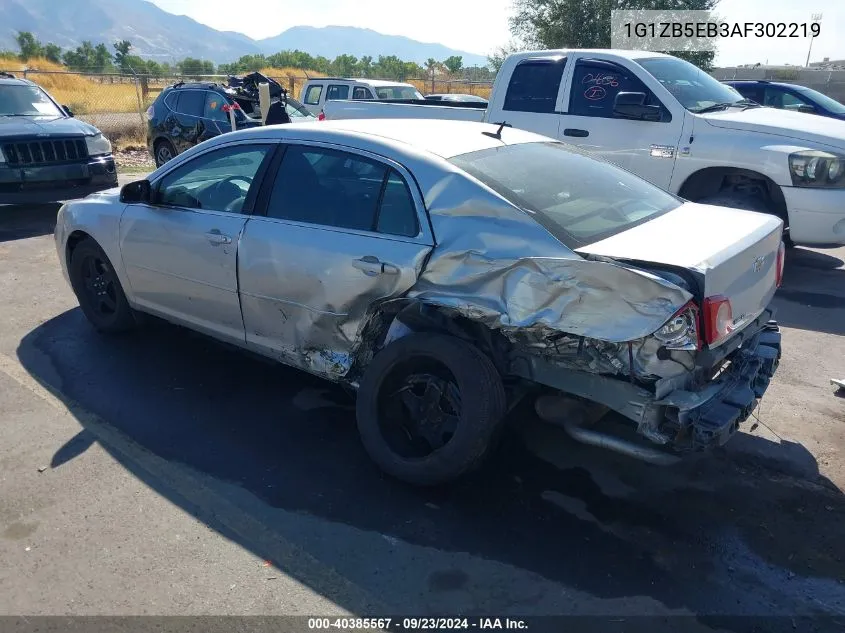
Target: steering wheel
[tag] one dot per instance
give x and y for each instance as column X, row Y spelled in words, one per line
column 222, row 198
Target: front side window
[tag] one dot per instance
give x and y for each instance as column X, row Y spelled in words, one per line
column 534, row 86
column 595, row 86
column 691, row 86
column 23, row 100
column 312, row 95
column 577, row 198
column 336, row 92
column 217, row 181
column 214, row 107
column 831, row 105
column 343, row 190
column 780, row 98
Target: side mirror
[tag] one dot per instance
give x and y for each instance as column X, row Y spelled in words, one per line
column 805, row 107
column 68, row 111
column 136, row 192
column 631, row 105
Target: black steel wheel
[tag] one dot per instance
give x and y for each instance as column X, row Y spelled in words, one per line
column 428, row 408
column 98, row 289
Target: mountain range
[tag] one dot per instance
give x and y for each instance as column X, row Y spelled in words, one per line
column 164, row 37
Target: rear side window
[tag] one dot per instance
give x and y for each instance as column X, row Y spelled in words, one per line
column 214, row 107
column 578, row 199
column 191, row 102
column 337, row 92
column 361, row 93
column 534, row 86
column 595, row 86
column 755, row 93
column 172, row 100
column 312, row 95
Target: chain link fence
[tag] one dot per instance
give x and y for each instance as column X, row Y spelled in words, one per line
column 117, row 103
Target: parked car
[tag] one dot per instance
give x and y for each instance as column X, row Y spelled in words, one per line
column 316, row 92
column 444, row 269
column 671, row 123
column 46, row 155
column 456, row 97
column 789, row 97
column 186, row 114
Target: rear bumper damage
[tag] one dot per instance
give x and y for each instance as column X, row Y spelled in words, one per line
column 717, row 398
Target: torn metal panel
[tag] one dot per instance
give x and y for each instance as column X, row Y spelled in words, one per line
column 586, row 298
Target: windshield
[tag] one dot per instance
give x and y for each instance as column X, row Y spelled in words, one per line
column 397, row 92
column 26, row 101
column 296, row 110
column 823, row 100
column 579, row 199
column 694, row 88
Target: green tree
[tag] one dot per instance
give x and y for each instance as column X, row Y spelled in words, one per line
column 53, row 53
column 192, row 66
column 29, row 45
column 102, row 59
column 498, row 56
column 586, row 23
column 454, row 63
column 121, row 54
column 344, row 65
column 365, row 66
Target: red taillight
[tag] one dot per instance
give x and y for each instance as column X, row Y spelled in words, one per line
column 780, row 264
column 321, row 116
column 718, row 318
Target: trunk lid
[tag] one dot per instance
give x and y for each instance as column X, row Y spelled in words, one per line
column 731, row 253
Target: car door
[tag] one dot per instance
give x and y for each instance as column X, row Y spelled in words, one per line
column 180, row 251
column 188, row 119
column 647, row 148
column 341, row 231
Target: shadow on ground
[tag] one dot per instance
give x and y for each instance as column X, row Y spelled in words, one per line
column 18, row 222
column 813, row 293
column 719, row 535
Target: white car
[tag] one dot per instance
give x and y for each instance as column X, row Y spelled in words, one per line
column 445, row 270
column 316, row 92
column 671, row 123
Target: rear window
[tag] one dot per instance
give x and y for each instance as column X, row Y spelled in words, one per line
column 578, row 199
column 312, row 95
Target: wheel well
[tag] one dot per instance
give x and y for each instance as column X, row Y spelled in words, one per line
column 73, row 241
column 714, row 180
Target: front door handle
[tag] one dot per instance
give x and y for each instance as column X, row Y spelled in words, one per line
column 372, row 266
column 571, row 131
column 216, row 238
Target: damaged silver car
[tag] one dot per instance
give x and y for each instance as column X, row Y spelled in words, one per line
column 446, row 270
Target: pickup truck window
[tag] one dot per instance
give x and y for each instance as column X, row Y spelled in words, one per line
column 577, row 198
column 398, row 92
column 690, row 85
column 595, row 86
column 534, row 86
column 359, row 92
column 336, row 92
column 312, row 95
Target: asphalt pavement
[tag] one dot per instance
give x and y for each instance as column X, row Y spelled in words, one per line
column 162, row 473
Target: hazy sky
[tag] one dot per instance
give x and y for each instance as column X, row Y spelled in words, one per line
column 479, row 26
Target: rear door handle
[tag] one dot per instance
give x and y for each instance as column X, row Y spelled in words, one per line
column 371, row 266
column 216, row 238
column 571, row 131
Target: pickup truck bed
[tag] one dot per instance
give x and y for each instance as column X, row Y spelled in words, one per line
column 404, row 109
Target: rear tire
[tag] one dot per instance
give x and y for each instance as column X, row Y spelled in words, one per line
column 429, row 408
column 98, row 290
column 747, row 203
column 164, row 152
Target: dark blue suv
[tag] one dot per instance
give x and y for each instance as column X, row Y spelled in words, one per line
column 186, row 114
column 789, row 97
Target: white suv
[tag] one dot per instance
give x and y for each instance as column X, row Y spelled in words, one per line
column 317, row 91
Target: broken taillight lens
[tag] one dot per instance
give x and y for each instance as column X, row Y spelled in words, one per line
column 781, row 261
column 150, row 113
column 321, row 116
column 681, row 331
column 718, row 318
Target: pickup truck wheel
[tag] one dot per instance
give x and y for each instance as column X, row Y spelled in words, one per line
column 164, row 152
column 746, row 203
column 98, row 289
column 429, row 408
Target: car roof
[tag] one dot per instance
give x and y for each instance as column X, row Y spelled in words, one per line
column 762, row 82
column 14, row 81
column 444, row 138
column 633, row 55
column 364, row 82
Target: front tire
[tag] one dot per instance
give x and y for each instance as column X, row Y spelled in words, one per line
column 429, row 408
column 98, row 290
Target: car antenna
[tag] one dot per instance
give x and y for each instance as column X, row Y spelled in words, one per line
column 498, row 133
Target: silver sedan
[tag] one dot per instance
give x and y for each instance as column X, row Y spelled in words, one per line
column 445, row 270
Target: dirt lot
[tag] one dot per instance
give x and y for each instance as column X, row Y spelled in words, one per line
column 160, row 473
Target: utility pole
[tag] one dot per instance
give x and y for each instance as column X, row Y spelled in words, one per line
column 816, row 18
